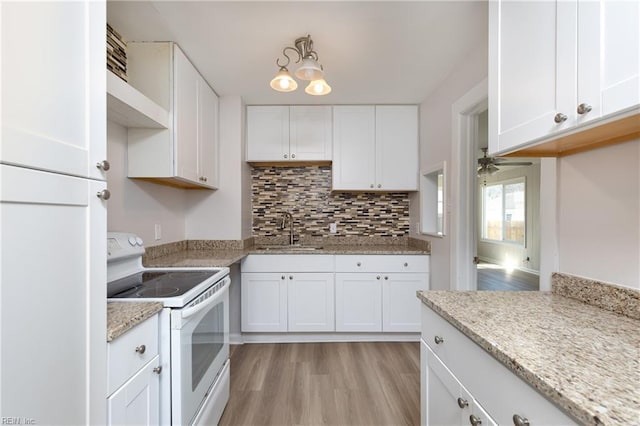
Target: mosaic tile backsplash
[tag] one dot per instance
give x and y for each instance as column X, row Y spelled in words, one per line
column 305, row 192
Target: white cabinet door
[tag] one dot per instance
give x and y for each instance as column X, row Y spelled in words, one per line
column 310, row 133
column 358, row 302
column 208, row 168
column 264, row 302
column 185, row 80
column 310, row 300
column 531, row 70
column 354, row 153
column 397, row 147
column 400, row 306
column 441, row 402
column 608, row 56
column 267, row 133
column 54, row 86
column 137, row 402
column 53, row 260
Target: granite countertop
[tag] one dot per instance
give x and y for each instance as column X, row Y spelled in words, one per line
column 584, row 358
column 227, row 257
column 123, row 316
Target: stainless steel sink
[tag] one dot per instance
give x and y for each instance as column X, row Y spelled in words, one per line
column 294, row 247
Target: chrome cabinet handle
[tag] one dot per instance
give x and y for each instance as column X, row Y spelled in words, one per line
column 584, row 108
column 103, row 165
column 438, row 340
column 463, row 403
column 285, row 156
column 560, row 118
column 371, row 185
column 290, row 277
column 293, row 156
column 105, row 194
column 406, row 264
column 379, row 186
column 358, row 264
column 386, row 277
column 157, row 369
column 474, row 420
column 140, row 349
column 520, row 421
column 378, row 277
column 282, row 277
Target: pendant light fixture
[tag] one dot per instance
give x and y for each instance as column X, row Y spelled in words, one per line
column 309, row 70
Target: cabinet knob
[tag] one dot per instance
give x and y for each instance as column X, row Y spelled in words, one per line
column 463, row 403
column 406, row 264
column 520, row 421
column 386, row 278
column 371, row 185
column 103, row 165
column 293, row 156
column 105, row 194
column 158, row 369
column 378, row 277
column 282, row 277
column 584, row 108
column 560, row 118
column 204, row 178
column 474, row 420
column 438, row 340
column 379, row 186
column 286, row 156
column 359, row 264
column 140, row 349
column 290, row 277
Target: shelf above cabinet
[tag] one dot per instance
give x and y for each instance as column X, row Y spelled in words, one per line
column 130, row 108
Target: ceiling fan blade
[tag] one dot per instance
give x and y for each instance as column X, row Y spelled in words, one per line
column 514, row 163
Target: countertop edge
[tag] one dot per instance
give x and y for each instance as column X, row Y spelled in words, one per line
column 123, row 316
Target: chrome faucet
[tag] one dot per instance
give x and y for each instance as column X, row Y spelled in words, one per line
column 285, row 216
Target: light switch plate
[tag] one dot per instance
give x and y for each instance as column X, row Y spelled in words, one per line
column 333, row 227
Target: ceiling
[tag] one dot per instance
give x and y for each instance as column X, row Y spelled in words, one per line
column 372, row 51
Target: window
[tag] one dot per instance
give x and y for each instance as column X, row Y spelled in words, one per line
column 503, row 212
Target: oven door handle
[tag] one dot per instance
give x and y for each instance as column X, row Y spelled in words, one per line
column 188, row 312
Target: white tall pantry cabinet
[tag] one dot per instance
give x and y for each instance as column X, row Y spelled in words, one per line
column 52, row 219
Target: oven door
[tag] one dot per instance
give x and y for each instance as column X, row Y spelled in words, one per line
column 199, row 349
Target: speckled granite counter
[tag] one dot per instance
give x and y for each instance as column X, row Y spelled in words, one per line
column 584, row 358
column 123, row 316
column 201, row 258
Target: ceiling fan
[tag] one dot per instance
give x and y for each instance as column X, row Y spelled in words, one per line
column 487, row 165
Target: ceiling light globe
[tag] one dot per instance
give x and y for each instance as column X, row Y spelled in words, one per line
column 283, row 82
column 309, row 70
column 318, row 88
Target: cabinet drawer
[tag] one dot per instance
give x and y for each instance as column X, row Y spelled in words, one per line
column 493, row 385
column 123, row 359
column 288, row 263
column 382, row 263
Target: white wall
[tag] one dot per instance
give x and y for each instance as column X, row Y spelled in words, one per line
column 224, row 214
column 436, row 146
column 599, row 214
column 512, row 254
column 136, row 206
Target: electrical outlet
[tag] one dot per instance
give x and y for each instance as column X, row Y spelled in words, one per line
column 333, row 227
column 158, row 231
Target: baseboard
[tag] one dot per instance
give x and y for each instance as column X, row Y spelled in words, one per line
column 328, row 337
column 235, row 339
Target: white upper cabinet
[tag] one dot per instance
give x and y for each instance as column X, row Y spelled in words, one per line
column 184, row 155
column 555, row 66
column 288, row 133
column 58, row 114
column 375, row 148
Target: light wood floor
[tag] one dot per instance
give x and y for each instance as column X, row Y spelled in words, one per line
column 496, row 278
column 324, row 383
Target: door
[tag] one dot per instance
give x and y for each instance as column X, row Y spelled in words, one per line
column 267, row 133
column 401, row 307
column 53, row 261
column 310, row 133
column 264, row 302
column 137, row 402
column 53, row 87
column 354, row 152
column 208, row 135
column 310, row 301
column 397, row 147
column 185, row 143
column 532, row 64
column 358, row 302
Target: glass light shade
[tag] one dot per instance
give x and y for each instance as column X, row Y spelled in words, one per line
column 309, row 70
column 283, row 82
column 318, row 88
column 488, row 170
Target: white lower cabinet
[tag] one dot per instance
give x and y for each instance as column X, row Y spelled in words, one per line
column 264, row 302
column 310, row 302
column 400, row 306
column 453, row 366
column 134, row 376
column 358, row 302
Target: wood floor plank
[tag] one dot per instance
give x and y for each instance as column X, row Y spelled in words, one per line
column 324, row 384
column 495, row 278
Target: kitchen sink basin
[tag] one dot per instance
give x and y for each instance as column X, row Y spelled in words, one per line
column 289, row 248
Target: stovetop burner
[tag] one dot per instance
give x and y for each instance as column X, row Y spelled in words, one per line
column 147, row 285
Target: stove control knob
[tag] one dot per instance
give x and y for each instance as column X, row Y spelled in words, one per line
column 132, row 240
column 139, row 241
